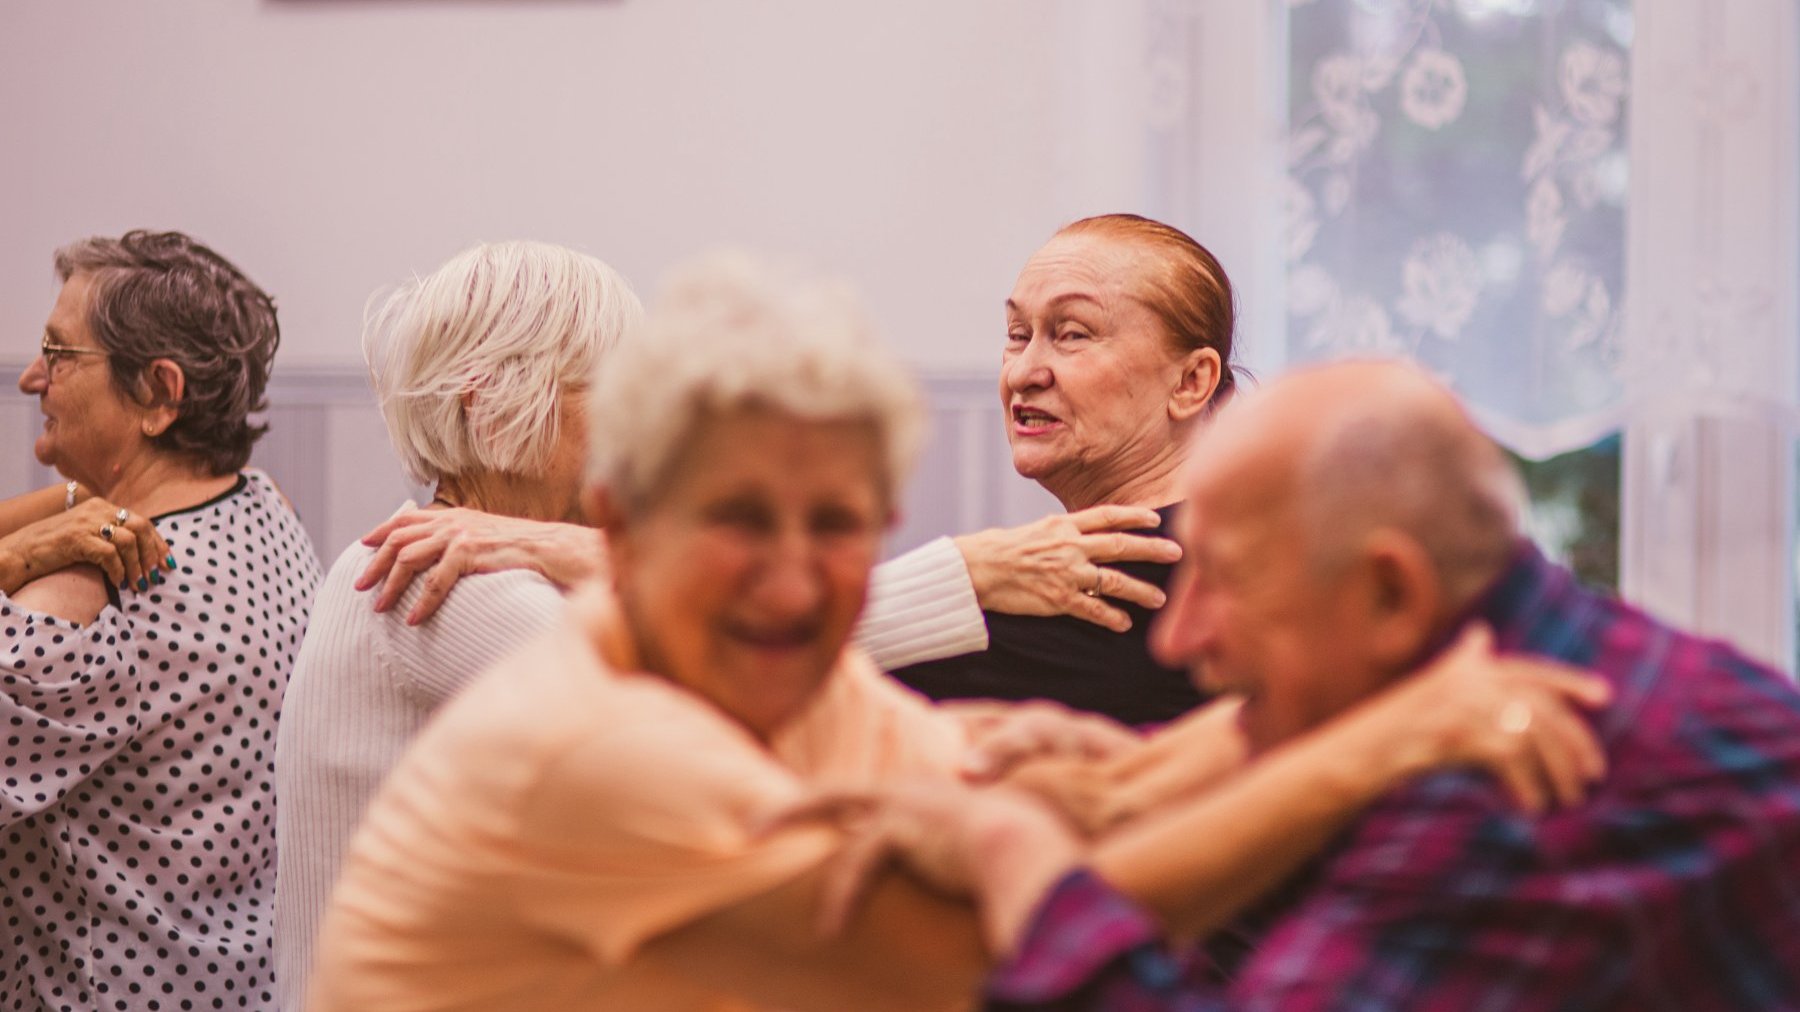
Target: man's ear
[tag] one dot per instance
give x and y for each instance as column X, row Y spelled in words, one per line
column 1201, row 370
column 1403, row 597
column 164, row 385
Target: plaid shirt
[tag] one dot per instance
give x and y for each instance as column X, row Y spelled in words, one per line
column 1675, row 886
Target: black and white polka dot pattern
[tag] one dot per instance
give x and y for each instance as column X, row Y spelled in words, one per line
column 137, row 814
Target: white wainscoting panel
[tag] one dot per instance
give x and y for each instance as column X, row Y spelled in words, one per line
column 328, row 450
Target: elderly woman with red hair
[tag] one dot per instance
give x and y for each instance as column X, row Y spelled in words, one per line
column 1118, row 344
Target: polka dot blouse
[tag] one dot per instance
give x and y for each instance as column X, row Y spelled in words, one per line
column 137, row 814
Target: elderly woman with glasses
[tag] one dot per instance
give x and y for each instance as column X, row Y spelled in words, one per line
column 588, row 825
column 66, row 524
column 136, row 822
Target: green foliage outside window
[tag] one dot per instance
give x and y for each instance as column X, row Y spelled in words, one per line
column 1575, row 510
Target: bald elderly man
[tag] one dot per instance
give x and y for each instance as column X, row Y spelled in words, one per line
column 1343, row 524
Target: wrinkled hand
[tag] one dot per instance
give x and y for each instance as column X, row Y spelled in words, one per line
column 993, row 844
column 1515, row 716
column 1081, row 792
column 1096, row 795
column 1046, row 567
column 1002, row 736
column 447, row 545
column 134, row 556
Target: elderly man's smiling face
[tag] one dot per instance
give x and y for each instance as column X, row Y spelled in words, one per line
column 1250, row 613
column 1339, row 523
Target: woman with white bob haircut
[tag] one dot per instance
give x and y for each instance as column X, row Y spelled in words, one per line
column 481, row 368
column 580, row 827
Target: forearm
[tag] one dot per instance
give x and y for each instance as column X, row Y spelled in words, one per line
column 15, row 571
column 1177, row 762
column 23, row 510
column 23, row 558
column 1182, row 759
column 921, row 607
column 1198, row 864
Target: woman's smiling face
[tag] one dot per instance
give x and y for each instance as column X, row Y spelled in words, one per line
column 742, row 576
column 88, row 423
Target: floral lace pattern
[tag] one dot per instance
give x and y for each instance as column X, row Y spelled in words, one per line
column 1456, row 191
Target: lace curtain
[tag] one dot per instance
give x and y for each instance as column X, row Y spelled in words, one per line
column 1455, row 191
column 1584, row 214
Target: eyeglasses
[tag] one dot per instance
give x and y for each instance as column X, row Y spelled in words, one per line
column 56, row 354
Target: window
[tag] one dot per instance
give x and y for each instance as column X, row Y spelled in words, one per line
column 1575, row 510
column 1456, row 187
column 1583, row 213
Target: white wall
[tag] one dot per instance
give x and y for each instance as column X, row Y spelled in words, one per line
column 333, row 146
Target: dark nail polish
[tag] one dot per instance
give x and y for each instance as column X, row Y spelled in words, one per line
column 171, row 561
column 125, row 584
column 143, row 584
column 156, row 578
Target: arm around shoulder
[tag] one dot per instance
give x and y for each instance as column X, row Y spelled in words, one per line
column 921, row 607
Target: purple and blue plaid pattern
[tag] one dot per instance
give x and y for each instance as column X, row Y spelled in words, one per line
column 1675, row 886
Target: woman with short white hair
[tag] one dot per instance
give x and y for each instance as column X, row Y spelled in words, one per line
column 480, row 368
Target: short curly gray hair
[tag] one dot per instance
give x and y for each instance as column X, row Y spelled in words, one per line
column 728, row 333
column 162, row 295
column 471, row 361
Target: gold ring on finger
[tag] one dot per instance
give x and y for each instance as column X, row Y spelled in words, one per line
column 121, row 516
column 106, row 531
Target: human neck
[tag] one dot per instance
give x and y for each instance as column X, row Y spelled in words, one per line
column 503, row 495
column 1153, row 484
column 153, row 483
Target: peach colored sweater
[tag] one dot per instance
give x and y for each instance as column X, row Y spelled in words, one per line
column 557, row 815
